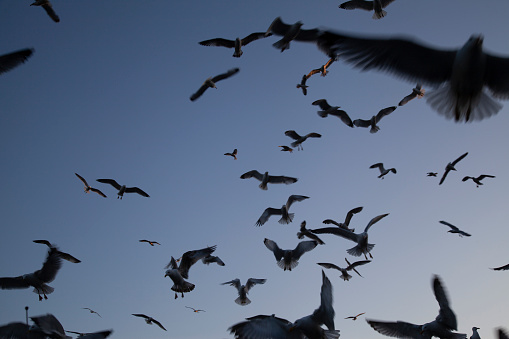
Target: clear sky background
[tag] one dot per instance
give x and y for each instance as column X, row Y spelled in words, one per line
column 106, row 95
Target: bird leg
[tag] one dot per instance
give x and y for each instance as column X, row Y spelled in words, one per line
column 182, row 293
column 176, row 296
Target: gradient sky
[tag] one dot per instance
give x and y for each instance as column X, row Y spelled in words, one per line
column 106, row 95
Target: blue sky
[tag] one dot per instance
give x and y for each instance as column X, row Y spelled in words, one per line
column 106, row 95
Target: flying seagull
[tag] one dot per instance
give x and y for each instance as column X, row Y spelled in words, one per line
column 270, row 326
column 362, row 247
column 235, row 44
column 344, row 225
column 48, row 8
column 123, row 189
column 454, row 229
column 304, row 232
column 286, row 149
column 211, row 82
column 88, row 188
column 149, row 320
column 375, row 5
column 475, row 334
column 300, row 139
column 450, row 167
column 178, row 273
column 355, row 316
column 289, row 259
column 417, row 92
column 289, row 33
column 63, row 255
column 209, row 259
column 233, row 154
column 501, row 268
column 195, row 310
column 441, row 327
column 375, row 119
column 323, row 69
column 45, row 326
column 383, row 171
column 151, row 243
column 39, row 278
column 432, row 174
column 268, row 179
column 332, row 110
column 13, row 59
column 91, row 311
column 344, row 271
column 286, row 217
column 478, row 179
column 303, row 85
column 243, row 290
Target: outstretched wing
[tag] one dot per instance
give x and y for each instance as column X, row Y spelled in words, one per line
column 266, row 215
column 82, row 180
column 281, row 179
column 218, row 42
column 445, row 316
column 325, row 313
column 350, row 214
column 322, row 103
column 336, row 231
column 11, row 60
column 357, row 4
column 328, row 265
column 303, row 247
column 384, row 112
column 136, row 190
column 235, row 283
column 199, row 92
column 254, row 36
column 98, row 192
column 253, row 281
column 252, row 174
column 398, row 329
column 111, row 182
column 293, row 198
column 362, row 123
column 501, row 268
column 225, row 75
column 49, row 9
column 191, row 257
column 375, row 220
column 459, row 159
column 292, row 134
column 271, row 245
column 454, row 228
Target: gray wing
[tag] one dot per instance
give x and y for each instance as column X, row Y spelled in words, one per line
column 350, row 214
column 445, row 316
column 191, row 257
column 172, row 264
column 497, row 75
column 322, row 103
column 158, row 324
column 328, row 265
column 357, row 263
column 343, row 116
column 254, row 36
column 82, row 180
column 378, row 165
column 278, row 27
column 362, row 123
column 375, row 220
column 111, row 182
column 271, row 245
column 68, row 257
column 501, row 268
column 136, row 190
column 218, row 42
column 235, row 283
column 263, row 327
column 253, row 281
column 482, row 176
column 313, row 135
column 252, row 174
column 11, row 60
column 458, row 160
column 266, row 215
column 325, row 313
column 210, row 259
column 454, row 228
column 303, row 247
column 358, row 4
column 49, row 9
column 337, row 231
column 398, row 329
column 48, row 323
column 292, row 134
column 281, row 179
column 199, row 92
column 384, row 112
column 9, row 283
column 98, row 192
column 294, row 198
column 225, row 75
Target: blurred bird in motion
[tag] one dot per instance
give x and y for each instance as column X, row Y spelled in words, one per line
column 375, row 5
column 211, row 82
column 13, row 59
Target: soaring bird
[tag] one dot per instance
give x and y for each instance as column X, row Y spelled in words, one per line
column 11, row 60
column 478, row 179
column 211, row 82
column 39, row 278
column 303, row 85
column 382, row 169
column 195, row 310
column 432, row 174
column 332, row 110
column 270, row 326
column 375, row 5
column 289, row 33
column 501, row 268
column 441, row 327
column 362, row 247
column 123, row 189
column 304, row 232
column 150, row 242
column 286, row 149
column 48, row 8
column 289, row 259
column 323, row 69
column 300, row 139
column 354, row 317
column 209, row 259
column 91, row 311
column 417, row 92
column 344, row 225
column 233, row 154
column 63, row 255
column 243, row 290
column 235, row 44
column 179, row 272
column 454, row 229
column 88, row 188
column 149, row 320
column 475, row 334
column 375, row 119
column 450, row 167
column 286, row 217
column 344, row 271
column 268, row 179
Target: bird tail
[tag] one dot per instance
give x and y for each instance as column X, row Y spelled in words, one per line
column 332, row 334
column 380, row 15
column 263, row 186
column 300, row 235
column 322, row 114
column 357, row 251
column 287, row 265
column 237, row 55
column 288, row 220
column 46, row 289
column 182, row 288
column 374, row 129
column 242, row 301
column 282, row 45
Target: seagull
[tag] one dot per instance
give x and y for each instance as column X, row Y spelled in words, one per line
column 478, row 179
column 323, row 69
column 501, row 268
column 233, row 154
column 211, row 82
column 149, row 320
column 209, row 259
column 355, row 316
column 450, row 167
column 300, row 139
column 48, row 8
column 88, row 188
column 195, row 310
column 270, row 326
column 502, row 334
column 289, row 259
column 268, row 179
column 348, row 217
column 243, row 290
column 454, row 229
column 303, row 85
column 383, row 171
column 91, row 311
column 417, row 92
column 39, row 278
column 123, row 189
column 62, row 255
column 441, row 327
column 151, row 243
column 375, row 5
column 475, row 334
column 332, row 110
column 304, row 232
column 375, row 119
column 344, row 271
column 179, row 272
column 286, row 149
column 235, row 44
column 362, row 247
column 289, row 33
column 432, row 174
column 286, row 217
column 48, row 325
column 13, row 59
